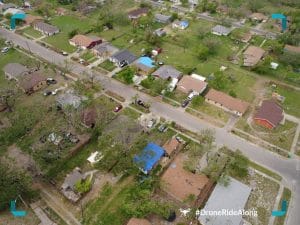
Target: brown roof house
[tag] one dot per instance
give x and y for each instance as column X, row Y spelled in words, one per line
column 292, row 48
column 269, row 115
column 32, row 82
column 137, row 13
column 31, row 19
column 253, row 55
column 68, row 187
column 136, row 221
column 226, row 102
column 190, row 84
column 15, row 71
column 258, row 17
column 182, row 184
column 89, row 117
column 246, row 37
column 85, row 42
column 45, row 28
column 171, row 147
column 167, row 72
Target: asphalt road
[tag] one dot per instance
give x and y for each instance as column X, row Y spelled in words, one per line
column 289, row 169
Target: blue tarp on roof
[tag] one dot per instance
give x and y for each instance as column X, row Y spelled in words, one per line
column 150, row 155
column 184, row 23
column 147, row 61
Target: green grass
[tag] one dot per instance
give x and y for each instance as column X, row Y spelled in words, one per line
column 286, row 195
column 32, row 32
column 131, row 113
column 67, row 24
column 107, row 65
column 291, row 104
column 87, row 56
column 265, row 171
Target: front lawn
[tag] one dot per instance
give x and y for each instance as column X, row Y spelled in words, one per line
column 32, row 32
column 107, row 65
column 292, row 103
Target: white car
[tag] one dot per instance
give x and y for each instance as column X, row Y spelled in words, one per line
column 151, row 123
column 4, row 50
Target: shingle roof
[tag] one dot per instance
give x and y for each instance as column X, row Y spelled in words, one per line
column 232, row 197
column 105, row 48
column 221, row 30
column 124, row 55
column 181, row 183
column 31, row 80
column 83, row 40
column 162, row 18
column 15, row 70
column 166, row 72
column 171, row 145
column 227, row 101
column 188, row 84
column 271, row 112
column 292, row 48
column 252, row 55
column 47, row 28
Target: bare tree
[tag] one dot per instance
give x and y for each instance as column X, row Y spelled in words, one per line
column 8, row 98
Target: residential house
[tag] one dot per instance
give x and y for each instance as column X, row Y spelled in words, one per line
column 189, row 84
column 68, row 187
column 182, row 184
column 137, row 13
column 123, row 56
column 258, row 17
column 226, row 102
column 104, row 50
column 160, row 32
column 31, row 19
column 45, row 28
column 232, row 197
column 292, row 48
column 89, row 117
column 149, row 157
column 6, row 6
column 13, row 11
column 167, row 72
column 221, row 30
column 85, row 42
column 253, row 55
column 171, row 147
column 246, row 37
column 32, row 82
column 145, row 65
column 182, row 25
column 160, row 18
column 136, row 221
column 269, row 115
column 14, row 71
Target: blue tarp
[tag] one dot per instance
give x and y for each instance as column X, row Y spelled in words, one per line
column 148, row 158
column 184, row 23
column 146, row 61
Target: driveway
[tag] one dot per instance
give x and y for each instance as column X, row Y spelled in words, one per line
column 287, row 168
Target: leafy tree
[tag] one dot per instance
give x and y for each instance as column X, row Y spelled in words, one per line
column 232, row 93
column 126, row 75
column 220, row 81
column 197, row 101
column 289, row 58
column 12, row 184
column 203, row 52
column 72, row 33
column 238, row 165
column 83, row 186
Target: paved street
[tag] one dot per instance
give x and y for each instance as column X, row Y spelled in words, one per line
column 285, row 167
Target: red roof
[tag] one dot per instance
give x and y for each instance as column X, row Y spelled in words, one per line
column 271, row 112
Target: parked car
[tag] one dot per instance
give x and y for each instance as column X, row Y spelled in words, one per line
column 185, row 103
column 47, row 93
column 81, row 61
column 71, row 137
column 162, row 128
column 5, row 50
column 161, row 63
column 123, row 63
column 118, row 108
column 64, row 53
column 51, row 81
column 151, row 123
column 179, row 139
column 191, row 95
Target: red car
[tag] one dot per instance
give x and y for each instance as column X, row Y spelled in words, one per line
column 118, row 108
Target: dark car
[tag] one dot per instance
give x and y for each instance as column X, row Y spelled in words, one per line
column 123, row 63
column 118, row 108
column 51, row 81
column 185, row 103
column 47, row 93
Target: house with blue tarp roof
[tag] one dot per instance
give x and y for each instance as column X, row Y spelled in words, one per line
column 183, row 24
column 145, row 65
column 149, row 157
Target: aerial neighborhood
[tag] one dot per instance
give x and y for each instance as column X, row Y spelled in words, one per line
column 127, row 112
